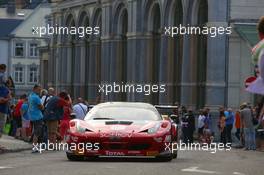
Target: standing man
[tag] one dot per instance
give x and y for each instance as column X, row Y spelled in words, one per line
column 80, row 109
column 54, row 113
column 247, row 127
column 35, row 115
column 5, row 97
column 229, row 121
column 208, row 119
column 47, row 97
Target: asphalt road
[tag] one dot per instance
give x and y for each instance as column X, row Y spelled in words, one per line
column 234, row 162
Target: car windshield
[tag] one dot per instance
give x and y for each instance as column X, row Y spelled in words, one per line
column 122, row 113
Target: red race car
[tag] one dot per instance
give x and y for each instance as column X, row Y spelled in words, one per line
column 122, row 129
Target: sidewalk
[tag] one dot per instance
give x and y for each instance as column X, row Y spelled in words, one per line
column 10, row 144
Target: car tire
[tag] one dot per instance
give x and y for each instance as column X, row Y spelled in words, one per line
column 72, row 157
column 175, row 155
column 165, row 159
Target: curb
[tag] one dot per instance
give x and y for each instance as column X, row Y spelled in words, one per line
column 3, row 151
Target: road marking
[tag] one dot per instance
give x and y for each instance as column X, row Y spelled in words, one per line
column 196, row 170
column 5, row 167
column 238, row 173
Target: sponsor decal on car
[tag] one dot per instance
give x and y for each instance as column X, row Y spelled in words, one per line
column 114, row 153
column 118, row 127
column 116, row 134
column 152, row 153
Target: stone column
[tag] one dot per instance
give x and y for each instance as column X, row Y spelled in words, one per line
column 76, row 68
column 216, row 93
column 82, row 68
column 92, row 69
column 67, row 68
column 106, row 47
column 166, row 72
column 189, row 71
column 145, row 64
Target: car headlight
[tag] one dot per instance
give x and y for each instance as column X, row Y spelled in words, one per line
column 154, row 129
column 76, row 126
column 80, row 129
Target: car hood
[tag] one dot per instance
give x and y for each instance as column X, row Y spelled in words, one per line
column 119, row 126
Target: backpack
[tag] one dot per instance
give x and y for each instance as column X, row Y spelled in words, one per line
column 52, row 110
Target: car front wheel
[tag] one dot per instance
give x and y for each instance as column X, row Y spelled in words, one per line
column 72, row 157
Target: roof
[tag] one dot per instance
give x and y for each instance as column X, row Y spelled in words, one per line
column 9, row 26
column 19, row 14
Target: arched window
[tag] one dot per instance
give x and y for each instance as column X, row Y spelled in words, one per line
column 202, row 54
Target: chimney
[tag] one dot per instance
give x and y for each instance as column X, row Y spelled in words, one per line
column 11, row 7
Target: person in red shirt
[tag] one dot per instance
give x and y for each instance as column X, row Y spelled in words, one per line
column 64, row 123
column 237, row 124
column 17, row 120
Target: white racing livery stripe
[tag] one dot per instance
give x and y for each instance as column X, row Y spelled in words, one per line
column 5, row 167
column 238, row 173
column 196, row 170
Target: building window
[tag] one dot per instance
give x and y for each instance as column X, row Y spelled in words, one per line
column 19, row 74
column 19, row 49
column 33, row 52
column 33, row 75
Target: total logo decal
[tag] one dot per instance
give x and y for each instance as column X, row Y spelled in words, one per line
column 111, row 153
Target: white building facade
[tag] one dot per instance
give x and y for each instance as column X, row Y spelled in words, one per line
column 21, row 52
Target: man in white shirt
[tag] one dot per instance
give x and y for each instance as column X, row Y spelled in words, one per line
column 80, row 109
column 46, row 98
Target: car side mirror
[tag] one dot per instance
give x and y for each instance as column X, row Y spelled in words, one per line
column 175, row 118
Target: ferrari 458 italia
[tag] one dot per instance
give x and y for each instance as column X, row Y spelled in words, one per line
column 122, row 129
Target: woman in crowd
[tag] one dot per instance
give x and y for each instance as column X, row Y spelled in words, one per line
column 64, row 123
column 221, row 125
column 201, row 124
